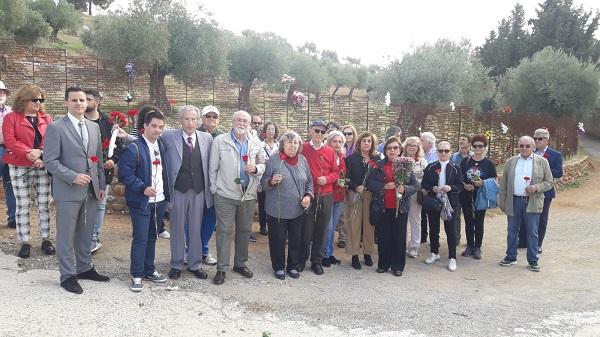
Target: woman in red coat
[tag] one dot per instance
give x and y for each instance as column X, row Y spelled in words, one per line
column 24, row 131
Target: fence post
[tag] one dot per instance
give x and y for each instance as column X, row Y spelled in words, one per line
column 308, row 112
column 367, row 114
column 66, row 70
column 32, row 65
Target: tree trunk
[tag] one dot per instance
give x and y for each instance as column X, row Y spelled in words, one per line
column 90, row 7
column 290, row 92
column 157, row 90
column 54, row 35
column 337, row 87
column 350, row 93
column 244, row 98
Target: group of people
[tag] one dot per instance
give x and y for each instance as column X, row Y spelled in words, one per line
column 207, row 179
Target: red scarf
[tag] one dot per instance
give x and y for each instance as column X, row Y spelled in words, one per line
column 290, row 160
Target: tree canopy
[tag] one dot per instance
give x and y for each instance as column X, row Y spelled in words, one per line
column 19, row 21
column 59, row 15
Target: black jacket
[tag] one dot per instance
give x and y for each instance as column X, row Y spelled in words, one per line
column 376, row 183
column 356, row 170
column 453, row 179
column 106, row 124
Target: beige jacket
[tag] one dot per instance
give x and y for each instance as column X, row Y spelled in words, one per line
column 541, row 178
column 225, row 163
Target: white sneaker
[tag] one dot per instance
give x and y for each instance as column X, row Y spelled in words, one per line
column 432, row 258
column 413, row 252
column 209, row 260
column 452, row 265
column 96, row 246
column 136, row 284
column 164, row 235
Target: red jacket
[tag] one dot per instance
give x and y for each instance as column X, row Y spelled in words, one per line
column 19, row 135
column 321, row 162
column 339, row 192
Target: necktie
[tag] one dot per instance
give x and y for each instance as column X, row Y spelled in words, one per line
column 83, row 135
column 190, row 144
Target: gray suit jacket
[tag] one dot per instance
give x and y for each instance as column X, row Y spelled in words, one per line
column 173, row 141
column 65, row 158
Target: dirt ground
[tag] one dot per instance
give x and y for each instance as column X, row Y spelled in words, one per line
column 479, row 299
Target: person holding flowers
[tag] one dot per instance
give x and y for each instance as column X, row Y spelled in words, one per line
column 143, row 171
column 360, row 165
column 335, row 140
column 288, row 188
column 443, row 181
column 413, row 149
column 525, row 179
column 476, row 169
column 237, row 161
column 392, row 184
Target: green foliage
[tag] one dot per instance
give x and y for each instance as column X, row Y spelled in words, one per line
column 18, row 21
column 86, row 5
column 309, row 73
column 552, row 82
column 59, row 16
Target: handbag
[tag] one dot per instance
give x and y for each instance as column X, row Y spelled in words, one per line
column 376, row 210
column 420, row 197
column 432, row 204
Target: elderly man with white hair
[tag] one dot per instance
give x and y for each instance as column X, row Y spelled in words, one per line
column 431, row 155
column 237, row 162
column 187, row 152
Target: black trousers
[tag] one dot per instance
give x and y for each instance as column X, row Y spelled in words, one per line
column 313, row 231
column 279, row 231
column 262, row 214
column 392, row 240
column 434, row 233
column 542, row 228
column 474, row 220
column 423, row 225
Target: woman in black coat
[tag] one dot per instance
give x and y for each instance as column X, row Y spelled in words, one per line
column 442, row 176
column 391, row 229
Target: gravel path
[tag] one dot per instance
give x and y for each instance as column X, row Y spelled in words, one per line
column 480, row 299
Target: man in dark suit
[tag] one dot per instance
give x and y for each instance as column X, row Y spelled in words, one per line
column 188, row 152
column 73, row 155
column 143, row 171
column 541, row 138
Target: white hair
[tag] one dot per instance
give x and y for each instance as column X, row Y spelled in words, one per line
column 428, row 136
column 182, row 110
column 333, row 134
column 240, row 113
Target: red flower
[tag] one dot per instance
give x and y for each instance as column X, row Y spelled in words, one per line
column 373, row 164
column 118, row 117
column 245, row 158
column 526, row 178
column 438, row 171
column 156, row 162
column 132, row 112
column 105, row 143
column 545, row 155
column 141, row 131
column 94, row 159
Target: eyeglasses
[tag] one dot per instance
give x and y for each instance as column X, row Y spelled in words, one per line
column 539, row 138
column 443, row 151
column 38, row 100
column 257, row 123
column 478, row 146
column 348, row 133
column 212, row 116
column 524, row 146
column 320, row 131
column 392, row 148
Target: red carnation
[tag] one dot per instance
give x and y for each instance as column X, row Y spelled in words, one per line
column 132, row 112
column 156, row 162
column 373, row 164
column 545, row 155
column 105, row 143
column 438, row 171
column 245, row 158
column 94, row 159
column 526, row 178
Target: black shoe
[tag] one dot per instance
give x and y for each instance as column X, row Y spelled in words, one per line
column 381, row 270
column 279, row 274
column 397, row 272
column 244, row 271
column 368, row 260
column 25, row 251
column 293, row 273
column 71, row 285
column 174, row 274
column 199, row 273
column 317, row 268
column 219, row 278
column 48, row 248
column 333, row 260
column 326, row 262
column 355, row 262
column 264, row 231
column 93, row 275
column 252, row 237
column 534, row 266
column 12, row 224
column 423, row 241
column 301, row 268
column 341, row 244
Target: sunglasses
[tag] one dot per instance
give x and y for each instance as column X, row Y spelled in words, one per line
column 211, row 116
column 317, row 131
column 257, row 123
column 524, row 146
column 540, row 138
column 38, row 100
column 392, row 148
column 348, row 133
column 443, row 151
column 478, row 146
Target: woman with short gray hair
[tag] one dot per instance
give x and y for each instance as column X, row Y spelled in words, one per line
column 288, row 187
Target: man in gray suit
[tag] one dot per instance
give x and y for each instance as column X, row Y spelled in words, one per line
column 73, row 155
column 187, row 152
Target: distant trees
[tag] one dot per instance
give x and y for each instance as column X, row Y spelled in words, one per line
column 19, row 21
column 59, row 15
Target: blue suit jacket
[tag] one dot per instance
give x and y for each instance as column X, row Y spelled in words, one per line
column 135, row 172
column 556, row 166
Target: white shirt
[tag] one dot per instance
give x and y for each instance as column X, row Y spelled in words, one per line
column 442, row 180
column 156, row 173
column 75, row 122
column 541, row 153
column 270, row 150
column 524, row 168
column 314, row 146
column 185, row 137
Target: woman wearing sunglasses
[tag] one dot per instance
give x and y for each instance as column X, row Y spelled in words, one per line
column 475, row 169
column 442, row 179
column 24, row 131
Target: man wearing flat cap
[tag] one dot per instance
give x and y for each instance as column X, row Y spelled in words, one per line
column 542, row 137
column 11, row 203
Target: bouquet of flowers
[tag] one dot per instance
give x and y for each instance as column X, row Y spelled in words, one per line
column 371, row 165
column 298, row 100
column 402, row 167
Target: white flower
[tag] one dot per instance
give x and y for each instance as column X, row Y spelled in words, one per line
column 388, row 99
column 504, row 127
column 452, row 106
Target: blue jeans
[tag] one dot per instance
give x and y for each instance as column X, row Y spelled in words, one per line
column 101, row 210
column 143, row 244
column 336, row 211
column 11, row 203
column 531, row 221
column 209, row 221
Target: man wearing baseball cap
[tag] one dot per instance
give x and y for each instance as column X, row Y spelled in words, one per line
column 11, row 204
column 210, row 121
